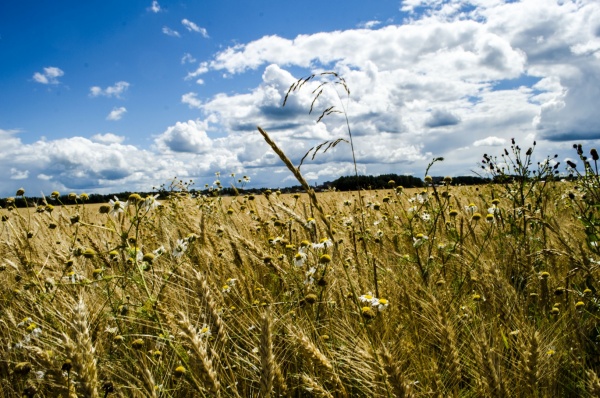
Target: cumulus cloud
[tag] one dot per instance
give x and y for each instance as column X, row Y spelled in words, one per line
column 452, row 80
column 451, row 77
column 192, row 27
column 112, row 91
column 155, row 7
column 16, row 174
column 490, row 141
column 187, row 136
column 202, row 68
column 50, row 75
column 116, row 113
column 170, row 32
column 104, row 164
column 108, row 138
column 369, row 24
column 441, row 118
column 191, row 99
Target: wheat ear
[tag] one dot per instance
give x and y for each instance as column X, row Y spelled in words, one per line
column 311, row 351
column 530, row 364
column 593, row 383
column 314, row 388
column 207, row 371
column 401, row 388
column 217, row 322
column 82, row 354
column 266, row 357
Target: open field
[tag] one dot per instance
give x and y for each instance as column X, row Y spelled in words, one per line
column 451, row 291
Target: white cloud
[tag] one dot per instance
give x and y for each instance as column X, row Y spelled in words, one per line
column 112, row 91
column 192, row 27
column 369, row 24
column 187, row 136
column 18, row 174
column 442, row 118
column 187, row 58
column 170, row 32
column 490, row 141
column 103, row 164
column 49, row 76
column 463, row 49
column 116, row 113
column 191, row 99
column 108, row 138
column 454, row 80
column 202, row 68
column 452, row 77
column 155, row 7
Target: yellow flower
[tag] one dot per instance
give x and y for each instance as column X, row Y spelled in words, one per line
column 367, row 312
column 89, row 253
column 325, row 259
column 137, row 344
column 310, row 298
column 179, row 371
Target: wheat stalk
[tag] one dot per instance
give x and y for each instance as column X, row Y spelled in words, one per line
column 299, row 177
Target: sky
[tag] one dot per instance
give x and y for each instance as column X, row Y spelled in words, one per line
column 112, row 96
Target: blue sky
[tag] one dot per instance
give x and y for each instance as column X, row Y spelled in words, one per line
column 112, row 96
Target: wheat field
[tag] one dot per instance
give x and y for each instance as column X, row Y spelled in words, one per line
column 442, row 291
